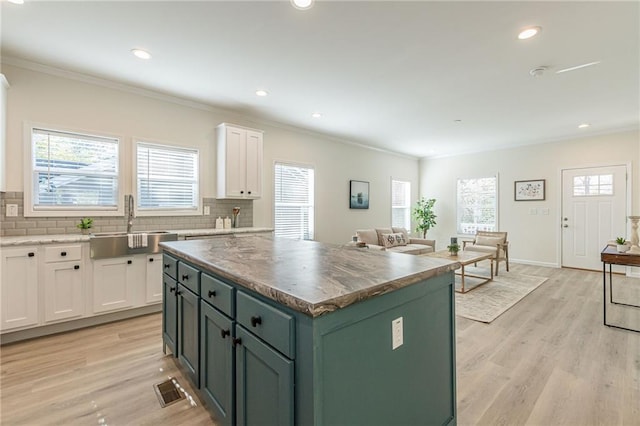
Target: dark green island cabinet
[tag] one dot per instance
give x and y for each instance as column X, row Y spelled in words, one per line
column 282, row 332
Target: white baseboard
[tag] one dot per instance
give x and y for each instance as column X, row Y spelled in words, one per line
column 535, row 263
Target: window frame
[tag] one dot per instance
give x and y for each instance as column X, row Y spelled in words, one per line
column 408, row 206
column 31, row 210
column 142, row 212
column 312, row 224
column 496, row 203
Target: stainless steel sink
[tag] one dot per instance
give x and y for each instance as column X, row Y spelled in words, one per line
column 116, row 244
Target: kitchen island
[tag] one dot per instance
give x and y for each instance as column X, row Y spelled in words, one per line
column 283, row 332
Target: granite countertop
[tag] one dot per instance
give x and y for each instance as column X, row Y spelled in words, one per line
column 310, row 277
column 79, row 238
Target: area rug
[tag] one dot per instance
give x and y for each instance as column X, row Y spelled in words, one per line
column 489, row 301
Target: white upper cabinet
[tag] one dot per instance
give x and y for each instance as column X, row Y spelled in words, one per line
column 4, row 86
column 239, row 162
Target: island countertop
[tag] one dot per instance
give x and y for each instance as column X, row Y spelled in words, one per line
column 307, row 276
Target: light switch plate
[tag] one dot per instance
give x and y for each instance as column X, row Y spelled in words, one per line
column 545, row 211
column 207, row 210
column 533, row 211
column 397, row 338
column 12, row 210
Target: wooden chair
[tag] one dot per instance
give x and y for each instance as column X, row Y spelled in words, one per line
column 490, row 242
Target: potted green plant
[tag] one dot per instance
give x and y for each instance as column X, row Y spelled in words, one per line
column 424, row 216
column 621, row 244
column 85, row 224
column 453, row 249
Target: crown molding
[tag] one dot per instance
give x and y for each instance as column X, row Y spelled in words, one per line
column 110, row 84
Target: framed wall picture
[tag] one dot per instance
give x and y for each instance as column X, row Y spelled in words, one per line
column 358, row 194
column 529, row 190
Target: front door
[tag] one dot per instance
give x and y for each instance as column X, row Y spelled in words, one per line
column 593, row 213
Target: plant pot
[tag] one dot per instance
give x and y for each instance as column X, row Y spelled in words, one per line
column 85, row 231
column 622, row 248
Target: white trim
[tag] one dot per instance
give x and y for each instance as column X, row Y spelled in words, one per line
column 535, row 263
column 198, row 211
column 63, row 211
column 628, row 200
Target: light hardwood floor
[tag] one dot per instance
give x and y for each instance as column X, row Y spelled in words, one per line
column 547, row 361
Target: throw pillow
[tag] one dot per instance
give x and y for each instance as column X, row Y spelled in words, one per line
column 488, row 241
column 393, row 240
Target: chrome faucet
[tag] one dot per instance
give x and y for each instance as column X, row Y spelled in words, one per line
column 130, row 222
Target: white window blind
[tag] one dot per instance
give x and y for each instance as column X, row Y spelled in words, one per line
column 401, row 204
column 73, row 171
column 477, row 205
column 293, row 199
column 167, row 177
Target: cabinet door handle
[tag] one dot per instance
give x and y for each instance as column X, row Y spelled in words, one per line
column 212, row 293
column 225, row 333
column 167, row 266
column 31, row 254
column 242, row 192
column 129, row 262
column 76, row 267
column 237, row 341
column 255, row 321
column 178, row 292
column 63, row 253
column 151, row 259
column 249, row 192
column 185, row 277
column 172, row 289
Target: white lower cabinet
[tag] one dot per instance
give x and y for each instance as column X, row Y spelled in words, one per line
column 154, row 278
column 127, row 282
column 113, row 284
column 62, row 283
column 19, row 288
column 63, row 291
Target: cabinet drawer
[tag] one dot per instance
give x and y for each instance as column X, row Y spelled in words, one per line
column 270, row 324
column 189, row 277
column 170, row 266
column 217, row 294
column 62, row 253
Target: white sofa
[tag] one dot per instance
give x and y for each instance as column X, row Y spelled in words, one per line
column 394, row 240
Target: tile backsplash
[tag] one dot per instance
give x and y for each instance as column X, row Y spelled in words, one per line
column 20, row 225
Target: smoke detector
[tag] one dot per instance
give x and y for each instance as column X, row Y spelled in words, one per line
column 538, row 71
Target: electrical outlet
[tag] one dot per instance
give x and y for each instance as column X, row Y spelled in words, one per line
column 12, row 210
column 397, row 338
column 533, row 211
column 207, row 210
column 545, row 211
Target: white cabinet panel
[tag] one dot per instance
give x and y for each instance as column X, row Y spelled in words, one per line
column 113, row 284
column 154, row 278
column 63, row 291
column 19, row 288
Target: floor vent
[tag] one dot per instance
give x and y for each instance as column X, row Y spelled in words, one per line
column 168, row 392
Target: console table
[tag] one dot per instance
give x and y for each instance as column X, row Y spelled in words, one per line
column 610, row 256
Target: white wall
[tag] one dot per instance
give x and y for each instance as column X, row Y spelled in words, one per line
column 533, row 238
column 52, row 98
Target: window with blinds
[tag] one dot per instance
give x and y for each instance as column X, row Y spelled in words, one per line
column 293, row 200
column 167, row 178
column 477, row 205
column 401, row 204
column 73, row 171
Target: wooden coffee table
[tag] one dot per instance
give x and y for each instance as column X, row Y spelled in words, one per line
column 466, row 258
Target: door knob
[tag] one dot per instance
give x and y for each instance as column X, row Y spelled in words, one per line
column 566, row 218
column 565, row 226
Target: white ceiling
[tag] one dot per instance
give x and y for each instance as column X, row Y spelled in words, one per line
column 392, row 75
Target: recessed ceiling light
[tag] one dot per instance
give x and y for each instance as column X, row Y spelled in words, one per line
column 261, row 93
column 316, row 115
column 584, row 126
column 142, row 54
column 302, row 4
column 458, row 121
column 529, row 32
column 16, row 1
